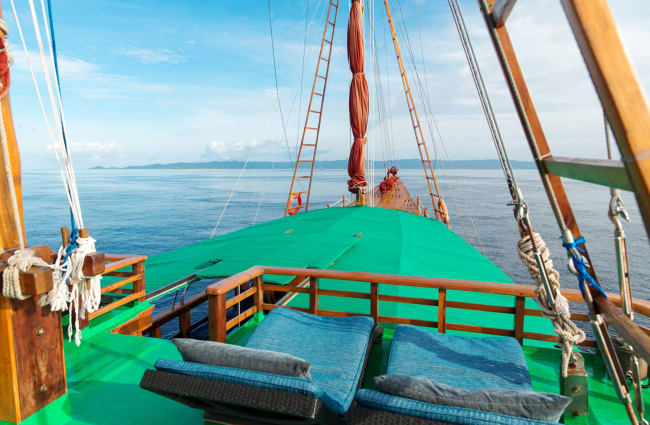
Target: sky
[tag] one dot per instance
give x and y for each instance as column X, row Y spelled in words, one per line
column 186, row 80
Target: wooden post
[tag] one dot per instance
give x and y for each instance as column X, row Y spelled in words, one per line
column 217, row 317
column 442, row 310
column 618, row 88
column 138, row 285
column 185, row 324
column 32, row 371
column 520, row 313
column 374, row 301
column 313, row 295
column 259, row 293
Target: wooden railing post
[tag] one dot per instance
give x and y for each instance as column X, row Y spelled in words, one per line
column 155, row 332
column 217, row 321
column 442, row 310
column 374, row 301
column 313, row 295
column 259, row 293
column 138, row 285
column 520, row 307
column 185, row 324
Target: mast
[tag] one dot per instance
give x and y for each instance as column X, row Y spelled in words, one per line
column 32, row 371
column 359, row 103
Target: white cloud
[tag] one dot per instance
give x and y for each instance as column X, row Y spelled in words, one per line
column 89, row 147
column 152, row 56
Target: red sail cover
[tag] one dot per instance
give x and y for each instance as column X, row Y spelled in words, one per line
column 358, row 100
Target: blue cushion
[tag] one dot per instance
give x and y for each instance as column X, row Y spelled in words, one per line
column 335, row 347
column 240, row 376
column 451, row 414
column 466, row 362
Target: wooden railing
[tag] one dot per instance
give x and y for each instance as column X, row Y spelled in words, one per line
column 115, row 266
column 250, row 284
column 182, row 311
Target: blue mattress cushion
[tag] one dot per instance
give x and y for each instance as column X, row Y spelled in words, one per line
column 470, row 363
column 446, row 414
column 241, row 376
column 335, row 346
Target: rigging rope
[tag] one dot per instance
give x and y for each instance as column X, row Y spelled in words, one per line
column 555, row 306
column 277, row 88
column 84, row 293
column 531, row 248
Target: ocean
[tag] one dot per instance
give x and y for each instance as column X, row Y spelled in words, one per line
column 152, row 211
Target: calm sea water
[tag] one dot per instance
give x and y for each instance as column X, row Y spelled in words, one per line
column 152, row 211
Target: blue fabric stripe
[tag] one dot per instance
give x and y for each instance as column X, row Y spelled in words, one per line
column 240, row 376
column 451, row 414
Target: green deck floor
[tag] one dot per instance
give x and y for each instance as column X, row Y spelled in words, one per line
column 104, row 373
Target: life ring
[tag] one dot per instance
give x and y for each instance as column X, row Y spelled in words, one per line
column 292, row 211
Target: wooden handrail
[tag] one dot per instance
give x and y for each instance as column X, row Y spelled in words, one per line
column 219, row 327
column 225, row 285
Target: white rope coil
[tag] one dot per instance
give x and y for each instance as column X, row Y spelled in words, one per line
column 82, row 295
column 559, row 313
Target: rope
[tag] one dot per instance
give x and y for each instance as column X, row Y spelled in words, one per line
column 580, row 266
column 277, row 88
column 555, row 307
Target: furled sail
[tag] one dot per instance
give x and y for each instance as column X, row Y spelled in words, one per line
column 358, row 100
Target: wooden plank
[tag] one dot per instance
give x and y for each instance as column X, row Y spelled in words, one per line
column 241, row 297
column 282, row 288
column 240, row 318
column 9, row 399
column 269, row 307
column 627, row 329
column 408, row 300
column 113, row 286
column 344, row 294
column 415, row 322
column 337, row 313
column 618, row 88
column 39, row 350
column 479, row 329
column 138, row 325
column 501, row 11
column 604, row 172
column 374, row 302
column 117, row 262
column 520, row 306
column 112, row 306
column 313, row 295
column 480, row 307
column 442, row 310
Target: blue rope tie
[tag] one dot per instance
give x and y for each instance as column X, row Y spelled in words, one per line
column 581, row 267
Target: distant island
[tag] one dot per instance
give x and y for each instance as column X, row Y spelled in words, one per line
column 483, row 164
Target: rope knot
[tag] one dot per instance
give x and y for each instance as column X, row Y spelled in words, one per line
column 21, row 261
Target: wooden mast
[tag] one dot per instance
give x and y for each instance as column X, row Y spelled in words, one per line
column 32, row 371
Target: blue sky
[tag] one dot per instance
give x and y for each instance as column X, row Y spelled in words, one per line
column 168, row 81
